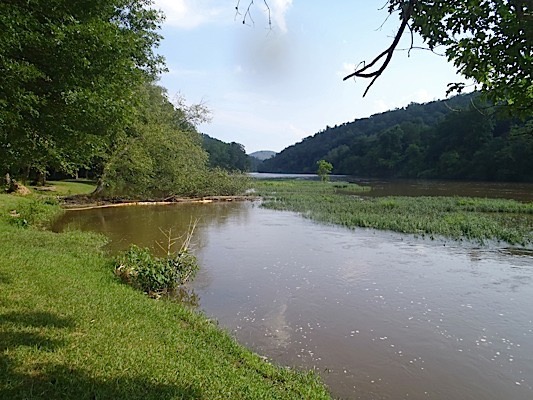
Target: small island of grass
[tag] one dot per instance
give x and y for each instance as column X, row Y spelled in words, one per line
column 458, row 218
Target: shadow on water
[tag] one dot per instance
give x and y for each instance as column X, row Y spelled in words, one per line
column 57, row 381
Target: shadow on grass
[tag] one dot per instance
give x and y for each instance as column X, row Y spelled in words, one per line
column 4, row 279
column 34, row 380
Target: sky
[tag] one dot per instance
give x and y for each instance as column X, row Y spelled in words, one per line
column 268, row 87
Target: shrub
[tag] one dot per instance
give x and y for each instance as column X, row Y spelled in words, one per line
column 139, row 268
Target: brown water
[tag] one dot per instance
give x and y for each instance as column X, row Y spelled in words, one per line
column 379, row 315
column 406, row 187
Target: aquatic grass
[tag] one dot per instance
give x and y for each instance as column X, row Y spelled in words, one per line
column 70, row 329
column 459, row 218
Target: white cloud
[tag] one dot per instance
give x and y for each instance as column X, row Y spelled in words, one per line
column 279, row 10
column 188, row 14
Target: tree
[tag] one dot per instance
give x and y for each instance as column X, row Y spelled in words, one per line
column 69, row 71
column 324, row 169
column 488, row 41
column 228, row 156
column 160, row 156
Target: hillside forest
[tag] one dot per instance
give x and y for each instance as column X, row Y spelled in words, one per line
column 461, row 138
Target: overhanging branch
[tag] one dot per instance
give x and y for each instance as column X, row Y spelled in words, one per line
column 386, row 55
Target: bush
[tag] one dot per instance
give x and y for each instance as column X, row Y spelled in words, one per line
column 139, row 268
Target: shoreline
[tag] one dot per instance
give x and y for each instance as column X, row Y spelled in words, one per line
column 74, row 204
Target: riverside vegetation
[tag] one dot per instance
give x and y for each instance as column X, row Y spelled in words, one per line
column 70, row 329
column 459, row 218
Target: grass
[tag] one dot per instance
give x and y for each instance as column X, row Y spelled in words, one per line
column 66, row 188
column 453, row 217
column 70, row 329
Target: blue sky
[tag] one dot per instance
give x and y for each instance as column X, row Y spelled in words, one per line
column 270, row 88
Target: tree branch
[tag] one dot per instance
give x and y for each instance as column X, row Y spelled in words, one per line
column 386, row 54
column 248, row 14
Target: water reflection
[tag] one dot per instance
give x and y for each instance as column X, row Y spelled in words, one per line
column 380, row 315
column 420, row 187
column 185, row 295
column 145, row 226
column 417, row 187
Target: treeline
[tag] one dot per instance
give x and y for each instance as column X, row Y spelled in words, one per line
column 78, row 95
column 228, row 156
column 459, row 138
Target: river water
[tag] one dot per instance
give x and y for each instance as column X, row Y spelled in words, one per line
column 378, row 315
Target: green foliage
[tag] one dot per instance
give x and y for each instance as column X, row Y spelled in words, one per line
column 69, row 74
column 228, row 156
column 324, row 169
column 161, row 156
column 420, row 141
column 36, row 212
column 454, row 217
column 218, row 182
column 490, row 42
column 139, row 268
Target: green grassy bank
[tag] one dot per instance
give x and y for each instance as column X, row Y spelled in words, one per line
column 70, row 330
column 453, row 217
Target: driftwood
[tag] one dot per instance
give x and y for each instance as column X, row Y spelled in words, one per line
column 78, row 203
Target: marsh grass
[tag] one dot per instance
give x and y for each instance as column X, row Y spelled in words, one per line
column 69, row 329
column 458, row 218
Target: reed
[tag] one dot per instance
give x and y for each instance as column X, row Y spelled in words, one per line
column 459, row 218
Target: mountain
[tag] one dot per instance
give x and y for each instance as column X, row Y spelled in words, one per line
column 458, row 138
column 263, row 154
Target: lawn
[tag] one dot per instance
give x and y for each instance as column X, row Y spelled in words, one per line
column 70, row 330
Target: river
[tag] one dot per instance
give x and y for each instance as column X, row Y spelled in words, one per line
column 378, row 315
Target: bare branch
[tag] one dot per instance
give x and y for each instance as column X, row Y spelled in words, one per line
column 386, row 55
column 408, row 49
column 269, row 15
column 412, row 40
column 248, row 14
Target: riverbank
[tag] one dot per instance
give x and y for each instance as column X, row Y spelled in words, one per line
column 70, row 329
column 458, row 218
column 77, row 203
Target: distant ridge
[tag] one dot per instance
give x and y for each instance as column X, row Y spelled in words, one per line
column 263, row 154
column 444, row 139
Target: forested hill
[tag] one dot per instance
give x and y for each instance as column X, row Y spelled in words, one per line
column 457, row 138
column 228, row 156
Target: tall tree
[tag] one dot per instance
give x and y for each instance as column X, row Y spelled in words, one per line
column 68, row 75
column 160, row 155
column 324, row 168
